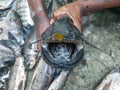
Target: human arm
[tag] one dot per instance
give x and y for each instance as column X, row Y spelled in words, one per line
column 79, row 8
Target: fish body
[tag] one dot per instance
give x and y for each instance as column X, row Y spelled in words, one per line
column 111, row 81
column 59, row 81
column 12, row 36
column 23, row 9
column 11, row 27
column 42, row 77
column 7, row 58
column 5, row 4
column 18, row 75
column 62, row 44
column 30, row 50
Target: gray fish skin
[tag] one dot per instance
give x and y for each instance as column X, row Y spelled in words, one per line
column 18, row 75
column 7, row 58
column 23, row 9
column 111, row 81
column 59, row 81
column 9, row 50
column 11, row 25
column 64, row 26
column 42, row 76
column 4, row 4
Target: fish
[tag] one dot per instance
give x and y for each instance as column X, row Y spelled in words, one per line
column 44, row 73
column 59, row 81
column 12, row 36
column 111, row 80
column 22, row 8
column 5, row 4
column 62, row 45
column 18, row 76
column 11, row 27
column 42, row 77
column 9, row 50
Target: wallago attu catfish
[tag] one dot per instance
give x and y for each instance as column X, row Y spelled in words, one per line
column 62, row 44
column 11, row 41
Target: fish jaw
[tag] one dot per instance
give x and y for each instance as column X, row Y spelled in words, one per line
column 62, row 44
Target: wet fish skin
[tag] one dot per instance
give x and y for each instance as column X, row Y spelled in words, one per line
column 4, row 4
column 13, row 32
column 18, row 75
column 23, row 9
column 111, row 81
column 62, row 44
column 42, row 76
column 7, row 59
column 59, row 81
column 12, row 24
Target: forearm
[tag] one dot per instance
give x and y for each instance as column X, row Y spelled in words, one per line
column 41, row 18
column 92, row 5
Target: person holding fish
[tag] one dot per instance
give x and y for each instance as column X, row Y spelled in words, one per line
column 73, row 10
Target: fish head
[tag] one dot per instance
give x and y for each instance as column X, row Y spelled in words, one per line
column 62, row 44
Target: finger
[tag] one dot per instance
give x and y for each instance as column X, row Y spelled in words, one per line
column 77, row 23
column 60, row 12
column 51, row 21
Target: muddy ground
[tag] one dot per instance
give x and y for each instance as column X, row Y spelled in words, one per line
column 103, row 30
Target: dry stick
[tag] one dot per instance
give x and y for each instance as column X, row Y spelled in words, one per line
column 43, row 73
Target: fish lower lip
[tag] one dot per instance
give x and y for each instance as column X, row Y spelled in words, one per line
column 61, row 54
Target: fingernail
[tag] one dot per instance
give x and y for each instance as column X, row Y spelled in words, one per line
column 51, row 21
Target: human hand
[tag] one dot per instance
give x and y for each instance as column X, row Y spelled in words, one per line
column 73, row 10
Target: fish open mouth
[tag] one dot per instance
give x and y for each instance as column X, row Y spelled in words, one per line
column 62, row 44
column 63, row 55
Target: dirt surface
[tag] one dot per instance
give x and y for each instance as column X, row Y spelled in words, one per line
column 103, row 30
